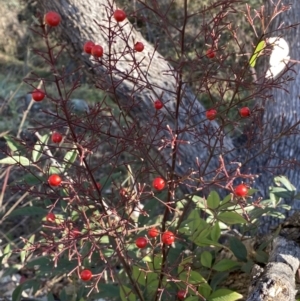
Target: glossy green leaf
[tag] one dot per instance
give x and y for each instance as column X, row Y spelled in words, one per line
column 282, row 192
column 39, row 148
column 231, row 218
column 139, row 275
column 224, row 295
column 207, row 242
column 238, row 249
column 215, row 232
column 205, row 290
column 225, row 265
column 206, row 259
column 63, row 296
column 11, row 143
column 31, row 179
column 29, row 211
column 69, row 158
column 192, row 298
column 192, row 277
column 213, row 200
column 127, row 294
column 7, row 252
column 50, row 297
column 285, row 182
column 17, row 293
column 257, row 52
column 24, row 252
column 107, row 290
column 15, row 160
column 54, row 170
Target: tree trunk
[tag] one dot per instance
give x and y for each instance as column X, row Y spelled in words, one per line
column 281, row 116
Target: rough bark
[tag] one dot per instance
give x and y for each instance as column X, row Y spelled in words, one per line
column 277, row 280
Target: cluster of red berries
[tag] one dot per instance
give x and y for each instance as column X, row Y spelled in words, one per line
column 211, row 114
column 167, row 238
column 95, row 50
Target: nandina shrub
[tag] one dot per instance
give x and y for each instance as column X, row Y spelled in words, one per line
column 110, row 156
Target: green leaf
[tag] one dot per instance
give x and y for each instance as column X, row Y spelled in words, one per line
column 63, row 296
column 285, row 182
column 261, row 256
column 6, row 253
column 107, row 290
column 127, row 294
column 39, row 147
column 24, row 252
column 213, row 200
column 282, row 192
column 205, row 290
column 139, row 276
column 50, row 297
column 104, row 239
column 257, row 52
column 207, row 242
column 54, row 170
column 29, row 211
column 69, row 158
column 231, row 218
column 206, row 259
column 31, row 179
column 194, row 225
column 192, row 298
column 215, row 232
column 225, row 265
column 224, row 295
column 192, row 277
column 238, row 248
column 12, row 144
column 15, row 160
column 17, row 293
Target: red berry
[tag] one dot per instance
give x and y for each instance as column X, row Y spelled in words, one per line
column 211, row 114
column 50, row 217
column 158, row 104
column 52, row 18
column 158, row 183
column 97, row 51
column 87, row 47
column 244, row 112
column 139, row 46
column 123, row 192
column 181, row 294
column 74, row 232
column 141, row 242
column 119, row 15
column 153, row 232
column 38, row 95
column 54, row 180
column 86, row 275
column 56, row 137
column 98, row 185
column 168, row 238
column 241, row 190
column 210, row 53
